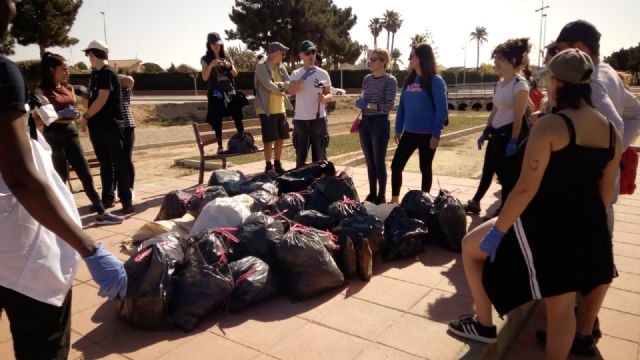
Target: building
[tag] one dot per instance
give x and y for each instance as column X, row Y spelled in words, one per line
column 127, row 66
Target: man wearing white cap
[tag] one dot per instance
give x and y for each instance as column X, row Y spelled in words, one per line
column 104, row 117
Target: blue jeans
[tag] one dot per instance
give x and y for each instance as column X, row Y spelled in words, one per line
column 374, row 139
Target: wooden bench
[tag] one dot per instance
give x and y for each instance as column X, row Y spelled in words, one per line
column 206, row 136
column 93, row 164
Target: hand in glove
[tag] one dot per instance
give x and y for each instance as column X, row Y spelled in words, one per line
column 361, row 103
column 70, row 112
column 511, row 147
column 491, row 242
column 108, row 272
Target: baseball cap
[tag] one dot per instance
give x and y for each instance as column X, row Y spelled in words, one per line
column 579, row 30
column 97, row 45
column 572, row 66
column 276, row 46
column 306, row 46
column 214, row 38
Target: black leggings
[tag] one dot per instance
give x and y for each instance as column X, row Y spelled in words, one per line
column 66, row 147
column 409, row 142
column 493, row 159
column 216, row 110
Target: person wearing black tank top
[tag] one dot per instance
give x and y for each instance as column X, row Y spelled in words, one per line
column 551, row 239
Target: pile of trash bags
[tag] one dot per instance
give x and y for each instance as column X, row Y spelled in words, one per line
column 243, row 239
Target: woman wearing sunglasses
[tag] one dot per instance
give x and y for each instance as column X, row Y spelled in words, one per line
column 378, row 96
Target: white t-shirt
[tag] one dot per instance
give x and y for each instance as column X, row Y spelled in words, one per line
column 504, row 99
column 307, row 97
column 614, row 101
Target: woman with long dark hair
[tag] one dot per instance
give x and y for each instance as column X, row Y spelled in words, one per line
column 505, row 125
column 551, row 239
column 218, row 71
column 62, row 135
column 420, row 118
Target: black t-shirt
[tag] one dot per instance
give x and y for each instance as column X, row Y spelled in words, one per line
column 220, row 78
column 13, row 90
column 111, row 113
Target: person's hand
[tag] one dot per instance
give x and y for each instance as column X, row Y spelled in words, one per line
column 70, row 112
column 396, row 138
column 433, row 144
column 226, row 63
column 82, row 124
column 361, row 103
column 108, row 272
column 321, row 98
column 481, row 140
column 511, row 147
column 310, row 71
column 491, row 242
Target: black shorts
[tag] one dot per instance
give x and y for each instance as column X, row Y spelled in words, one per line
column 274, row 127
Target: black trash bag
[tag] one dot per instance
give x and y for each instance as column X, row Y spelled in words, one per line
column 263, row 200
column 307, row 264
column 329, row 189
column 404, row 235
column 200, row 289
column 358, row 226
column 421, row 205
column 231, row 180
column 339, row 210
column 151, row 272
column 202, row 196
column 254, row 281
column 452, row 221
column 259, row 237
column 290, row 204
column 314, row 219
column 241, row 143
column 174, row 205
column 218, row 246
column 301, row 178
column 262, row 178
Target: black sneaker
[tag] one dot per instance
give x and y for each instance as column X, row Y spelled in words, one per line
column 271, row 171
column 380, row 200
column 108, row 219
column 469, row 327
column 278, row 168
column 128, row 209
column 472, row 207
column 371, row 198
column 582, row 345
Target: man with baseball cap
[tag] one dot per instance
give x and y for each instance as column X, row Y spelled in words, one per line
column 621, row 108
column 271, row 81
column 105, row 119
column 312, row 87
column 41, row 233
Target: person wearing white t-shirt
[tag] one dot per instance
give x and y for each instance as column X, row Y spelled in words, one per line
column 505, row 122
column 312, row 87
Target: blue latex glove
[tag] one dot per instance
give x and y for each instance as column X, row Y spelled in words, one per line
column 108, row 272
column 511, row 147
column 361, row 103
column 481, row 140
column 491, row 242
column 310, row 71
column 217, row 94
column 70, row 112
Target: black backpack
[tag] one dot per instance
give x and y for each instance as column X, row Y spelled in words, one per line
column 241, row 143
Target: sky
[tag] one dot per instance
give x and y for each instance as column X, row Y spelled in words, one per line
column 162, row 32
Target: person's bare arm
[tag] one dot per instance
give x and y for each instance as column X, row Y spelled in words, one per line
column 519, row 107
column 20, row 174
column 126, row 81
column 608, row 180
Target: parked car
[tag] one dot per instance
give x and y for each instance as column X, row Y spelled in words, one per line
column 337, row 91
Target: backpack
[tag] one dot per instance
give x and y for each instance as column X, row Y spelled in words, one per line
column 241, row 143
column 628, row 171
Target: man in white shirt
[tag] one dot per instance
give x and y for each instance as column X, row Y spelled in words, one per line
column 312, row 87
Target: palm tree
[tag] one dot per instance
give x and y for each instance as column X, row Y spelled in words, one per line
column 395, row 56
column 480, row 35
column 388, row 21
column 396, row 24
column 375, row 26
column 418, row 39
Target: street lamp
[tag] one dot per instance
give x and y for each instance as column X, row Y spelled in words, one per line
column 104, row 24
column 542, row 15
column 464, row 69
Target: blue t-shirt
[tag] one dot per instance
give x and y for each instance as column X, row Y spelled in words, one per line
column 416, row 112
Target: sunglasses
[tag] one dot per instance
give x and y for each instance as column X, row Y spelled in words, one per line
column 374, row 59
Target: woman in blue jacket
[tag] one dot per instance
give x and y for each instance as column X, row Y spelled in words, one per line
column 420, row 118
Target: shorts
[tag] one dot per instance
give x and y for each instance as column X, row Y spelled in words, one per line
column 274, row 127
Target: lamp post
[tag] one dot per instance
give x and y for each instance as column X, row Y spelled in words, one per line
column 104, row 24
column 542, row 15
column 464, row 69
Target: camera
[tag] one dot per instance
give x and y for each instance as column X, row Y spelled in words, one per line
column 319, row 84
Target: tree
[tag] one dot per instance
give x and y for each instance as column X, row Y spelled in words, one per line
column 425, row 37
column 388, row 20
column 375, row 26
column 480, row 35
column 45, row 23
column 418, row 39
column 172, row 68
column 395, row 56
column 81, row 66
column 150, row 67
column 337, row 44
column 243, row 59
column 184, row 68
column 625, row 59
column 487, row 68
column 395, row 24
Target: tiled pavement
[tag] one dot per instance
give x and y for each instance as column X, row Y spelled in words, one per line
column 400, row 314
